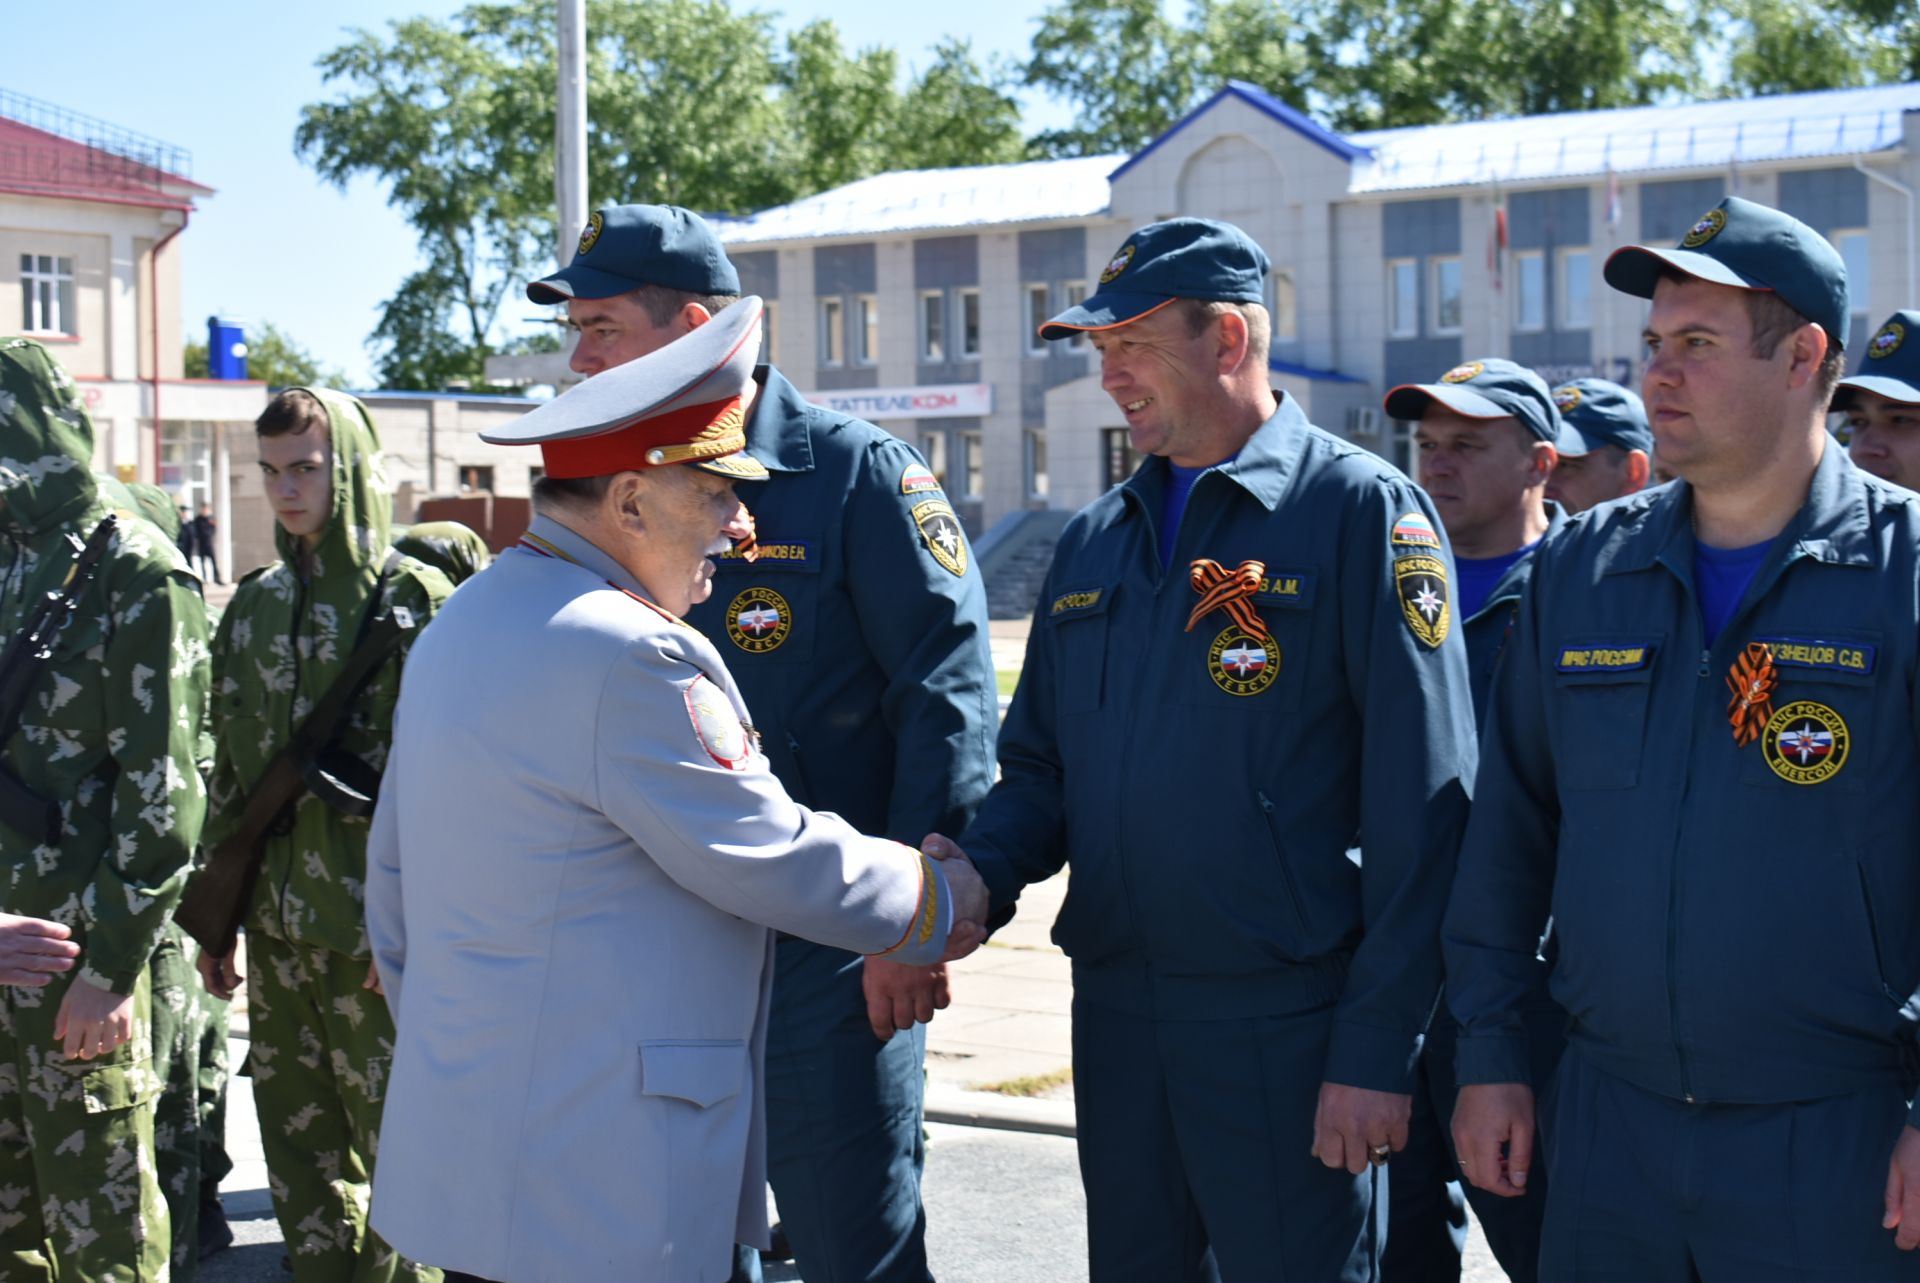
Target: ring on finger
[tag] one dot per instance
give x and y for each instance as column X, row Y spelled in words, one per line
column 1379, row 1154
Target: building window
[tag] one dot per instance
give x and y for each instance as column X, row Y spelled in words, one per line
column 933, row 326
column 1403, row 298
column 1118, row 458
column 1576, row 289
column 1853, row 252
column 46, row 290
column 969, row 324
column 1283, row 306
column 1529, row 291
column 867, row 315
column 972, row 474
column 933, row 445
column 1447, row 310
column 1038, row 313
column 474, row 480
column 1076, row 294
column 1400, row 445
column 833, row 334
column 1036, row 463
column 767, row 313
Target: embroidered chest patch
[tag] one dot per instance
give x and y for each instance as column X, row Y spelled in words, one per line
column 759, row 620
column 1805, row 743
column 1242, row 664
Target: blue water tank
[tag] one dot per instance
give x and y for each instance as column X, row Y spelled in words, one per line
column 226, row 347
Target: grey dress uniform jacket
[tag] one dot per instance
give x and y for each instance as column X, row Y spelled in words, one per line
column 576, row 848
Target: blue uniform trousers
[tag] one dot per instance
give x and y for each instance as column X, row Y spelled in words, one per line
column 1655, row 1190
column 1194, row 1143
column 1427, row 1228
column 844, row 1142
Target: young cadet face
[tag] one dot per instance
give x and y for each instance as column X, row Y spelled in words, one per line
column 1164, row 379
column 1476, row 471
column 1579, row 481
column 1718, row 412
column 614, row 331
column 297, row 468
column 686, row 518
column 1885, row 437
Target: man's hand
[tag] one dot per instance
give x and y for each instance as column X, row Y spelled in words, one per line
column 1354, row 1127
column 92, row 1021
column 219, row 975
column 899, row 996
column 1487, row 1117
column 969, row 896
column 33, row 950
column 1903, row 1191
column 373, row 978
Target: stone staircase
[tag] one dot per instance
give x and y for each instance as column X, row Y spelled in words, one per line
column 1014, row 558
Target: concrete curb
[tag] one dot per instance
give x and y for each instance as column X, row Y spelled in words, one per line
column 1002, row 1113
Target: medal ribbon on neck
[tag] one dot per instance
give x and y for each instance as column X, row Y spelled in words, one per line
column 1231, row 591
column 1751, row 679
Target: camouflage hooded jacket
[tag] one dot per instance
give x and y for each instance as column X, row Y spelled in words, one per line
column 111, row 727
column 281, row 642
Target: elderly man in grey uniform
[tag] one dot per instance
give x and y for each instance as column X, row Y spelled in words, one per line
column 578, row 852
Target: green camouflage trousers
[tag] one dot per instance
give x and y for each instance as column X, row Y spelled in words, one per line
column 79, row 1194
column 320, row 1049
column 186, row 1019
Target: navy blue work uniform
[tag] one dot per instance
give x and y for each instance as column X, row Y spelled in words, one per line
column 1737, row 941
column 1206, row 785
column 859, row 638
column 1427, row 1235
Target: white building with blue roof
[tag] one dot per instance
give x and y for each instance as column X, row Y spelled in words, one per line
column 912, row 298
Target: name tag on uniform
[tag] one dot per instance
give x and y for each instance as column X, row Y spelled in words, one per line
column 787, row 554
column 1285, row 588
column 1812, row 652
column 1604, row 657
column 1081, row 601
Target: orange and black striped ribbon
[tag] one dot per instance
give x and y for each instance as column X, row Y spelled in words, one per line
column 748, row 545
column 1751, row 679
column 1228, row 590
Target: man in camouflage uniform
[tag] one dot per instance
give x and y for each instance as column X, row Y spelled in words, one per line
column 189, row 1024
column 110, row 733
column 320, row 1043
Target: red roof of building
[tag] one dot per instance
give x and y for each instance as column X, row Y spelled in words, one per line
column 37, row 162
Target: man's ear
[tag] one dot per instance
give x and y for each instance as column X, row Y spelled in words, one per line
column 1234, row 336
column 1543, row 457
column 1807, row 348
column 691, row 317
column 1639, row 470
column 626, row 501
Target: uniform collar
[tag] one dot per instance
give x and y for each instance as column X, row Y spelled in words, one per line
column 1262, row 468
column 1831, row 526
column 1514, row 581
column 778, row 432
column 585, row 553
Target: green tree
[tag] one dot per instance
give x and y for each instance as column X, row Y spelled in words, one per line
column 1789, row 46
column 689, row 102
column 1127, row 72
column 273, row 357
column 960, row 111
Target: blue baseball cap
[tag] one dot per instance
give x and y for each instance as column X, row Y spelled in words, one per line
column 1890, row 365
column 1488, row 389
column 1750, row 247
column 1596, row 412
column 626, row 246
column 1178, row 258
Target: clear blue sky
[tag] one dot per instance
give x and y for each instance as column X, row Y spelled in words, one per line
column 226, row 81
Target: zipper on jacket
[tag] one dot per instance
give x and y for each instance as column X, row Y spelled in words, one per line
column 1673, row 907
column 1873, row 934
column 1286, row 870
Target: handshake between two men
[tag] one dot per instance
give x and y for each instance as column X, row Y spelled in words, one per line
column 900, row 996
